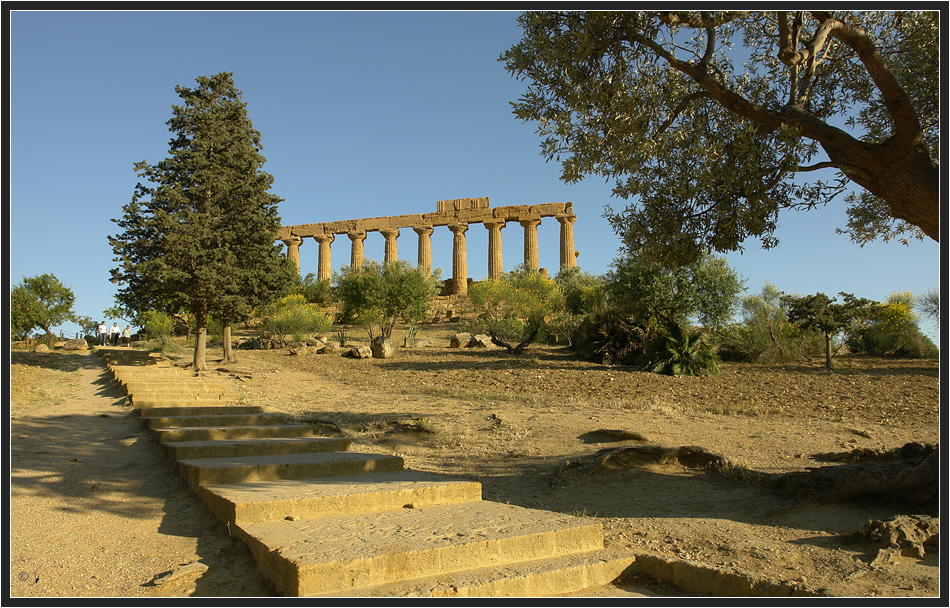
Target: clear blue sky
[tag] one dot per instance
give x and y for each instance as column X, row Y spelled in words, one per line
column 362, row 114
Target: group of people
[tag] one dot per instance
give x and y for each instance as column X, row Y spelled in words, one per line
column 111, row 335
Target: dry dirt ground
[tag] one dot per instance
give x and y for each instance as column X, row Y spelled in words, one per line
column 97, row 509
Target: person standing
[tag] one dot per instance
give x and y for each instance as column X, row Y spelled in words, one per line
column 126, row 336
column 115, row 331
column 103, row 333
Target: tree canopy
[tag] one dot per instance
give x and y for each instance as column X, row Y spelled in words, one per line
column 40, row 302
column 715, row 121
column 200, row 235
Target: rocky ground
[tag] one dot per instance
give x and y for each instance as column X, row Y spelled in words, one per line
column 99, row 511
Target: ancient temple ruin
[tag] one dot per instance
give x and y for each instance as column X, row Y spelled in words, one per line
column 456, row 215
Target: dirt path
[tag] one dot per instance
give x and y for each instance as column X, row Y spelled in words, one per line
column 98, row 510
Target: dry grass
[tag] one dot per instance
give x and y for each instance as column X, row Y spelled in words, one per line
column 42, row 379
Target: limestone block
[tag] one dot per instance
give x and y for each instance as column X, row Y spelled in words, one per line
column 460, row 340
column 383, row 348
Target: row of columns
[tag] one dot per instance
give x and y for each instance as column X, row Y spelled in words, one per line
column 568, row 255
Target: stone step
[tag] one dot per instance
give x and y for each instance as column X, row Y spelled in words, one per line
column 553, row 576
column 256, row 419
column 307, row 498
column 149, row 402
column 232, row 432
column 342, row 554
column 238, row 469
column 222, row 448
column 201, row 410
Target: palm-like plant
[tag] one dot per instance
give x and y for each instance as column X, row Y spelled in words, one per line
column 681, row 352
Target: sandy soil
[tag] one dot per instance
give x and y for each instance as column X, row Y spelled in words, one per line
column 97, row 510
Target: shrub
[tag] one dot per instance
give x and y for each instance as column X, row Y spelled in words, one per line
column 157, row 325
column 681, row 352
column 612, row 338
column 891, row 329
column 583, row 292
column 523, row 296
column 316, row 291
column 293, row 316
column 765, row 335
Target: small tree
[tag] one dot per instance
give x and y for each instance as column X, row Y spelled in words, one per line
column 40, row 302
column 376, row 295
column 516, row 306
column 293, row 316
column 825, row 314
column 645, row 288
column 928, row 303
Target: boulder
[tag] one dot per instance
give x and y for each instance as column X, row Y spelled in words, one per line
column 330, row 348
column 460, row 340
column 361, row 352
column 383, row 348
column 480, row 341
column 41, row 348
column 77, row 344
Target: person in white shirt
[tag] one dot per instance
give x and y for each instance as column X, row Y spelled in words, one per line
column 103, row 333
column 115, row 331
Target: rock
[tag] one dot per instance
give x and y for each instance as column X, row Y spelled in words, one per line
column 41, row 348
column 299, row 350
column 460, row 340
column 190, row 569
column 480, row 341
column 315, row 343
column 383, row 348
column 330, row 348
column 416, row 342
column 77, row 344
column 361, row 352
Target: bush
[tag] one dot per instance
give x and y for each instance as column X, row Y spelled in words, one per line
column 157, row 325
column 583, row 292
column 681, row 352
column 612, row 338
column 765, row 334
column 316, row 291
column 891, row 330
column 293, row 316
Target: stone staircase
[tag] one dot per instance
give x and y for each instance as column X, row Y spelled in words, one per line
column 322, row 520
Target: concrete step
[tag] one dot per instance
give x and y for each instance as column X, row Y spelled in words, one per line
column 238, row 469
column 553, row 576
column 201, row 410
column 216, row 420
column 342, row 554
column 222, row 448
column 307, row 498
column 232, row 432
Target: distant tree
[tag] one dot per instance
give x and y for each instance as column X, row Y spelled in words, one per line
column 712, row 121
column 825, row 314
column 516, row 307
column 583, row 292
column 928, row 303
column 40, row 302
column 317, row 291
column 377, row 295
column 199, row 238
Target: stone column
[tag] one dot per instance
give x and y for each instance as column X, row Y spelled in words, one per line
column 356, row 249
column 293, row 250
column 391, row 234
column 425, row 247
column 324, row 266
column 459, row 262
column 531, row 243
column 495, row 260
column 568, row 255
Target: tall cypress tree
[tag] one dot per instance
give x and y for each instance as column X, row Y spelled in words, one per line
column 200, row 235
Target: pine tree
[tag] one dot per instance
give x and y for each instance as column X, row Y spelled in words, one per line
column 200, row 235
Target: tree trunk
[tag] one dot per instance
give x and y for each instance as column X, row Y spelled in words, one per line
column 828, row 351
column 226, row 339
column 201, row 334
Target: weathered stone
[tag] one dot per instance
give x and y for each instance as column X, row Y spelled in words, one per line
column 383, row 348
column 330, row 348
column 41, row 348
column 480, row 341
column 77, row 344
column 361, row 352
column 316, row 342
column 299, row 350
column 460, row 340
column 417, row 342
